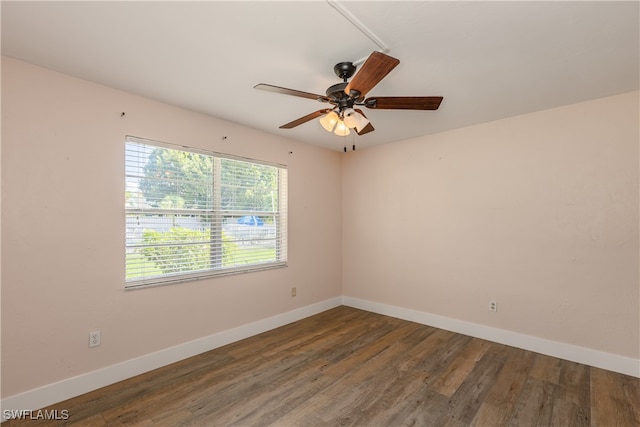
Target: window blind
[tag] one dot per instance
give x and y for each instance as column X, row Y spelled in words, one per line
column 192, row 214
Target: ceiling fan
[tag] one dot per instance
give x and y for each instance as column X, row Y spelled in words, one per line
column 345, row 97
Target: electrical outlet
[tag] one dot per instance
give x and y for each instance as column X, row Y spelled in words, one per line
column 94, row 339
column 294, row 292
column 493, row 306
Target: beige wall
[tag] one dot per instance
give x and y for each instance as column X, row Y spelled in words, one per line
column 538, row 212
column 63, row 230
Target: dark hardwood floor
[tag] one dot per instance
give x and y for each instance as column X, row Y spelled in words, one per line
column 347, row 367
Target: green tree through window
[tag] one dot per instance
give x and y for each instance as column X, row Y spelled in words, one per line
column 192, row 214
column 177, row 175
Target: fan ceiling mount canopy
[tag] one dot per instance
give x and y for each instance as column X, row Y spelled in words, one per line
column 347, row 96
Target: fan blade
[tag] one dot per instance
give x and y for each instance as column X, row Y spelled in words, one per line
column 404, row 102
column 293, row 92
column 372, row 71
column 306, row 118
column 368, row 128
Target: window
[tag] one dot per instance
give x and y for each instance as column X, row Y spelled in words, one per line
column 193, row 214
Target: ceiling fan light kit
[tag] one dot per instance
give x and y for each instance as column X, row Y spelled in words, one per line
column 340, row 124
column 328, row 121
column 353, row 119
column 341, row 129
column 349, row 94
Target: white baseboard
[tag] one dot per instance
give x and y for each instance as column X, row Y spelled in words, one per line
column 52, row 393
column 599, row 359
column 84, row 383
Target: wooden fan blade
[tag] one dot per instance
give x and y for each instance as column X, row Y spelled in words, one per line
column 293, row 92
column 306, row 118
column 372, row 71
column 368, row 128
column 404, row 102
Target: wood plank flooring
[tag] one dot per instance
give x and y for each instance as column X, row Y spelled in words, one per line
column 348, row 367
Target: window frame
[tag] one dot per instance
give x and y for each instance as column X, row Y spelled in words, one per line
column 280, row 219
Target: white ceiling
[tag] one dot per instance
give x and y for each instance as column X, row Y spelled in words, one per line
column 489, row 60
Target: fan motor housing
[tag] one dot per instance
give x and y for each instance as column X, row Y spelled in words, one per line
column 337, row 91
column 339, row 97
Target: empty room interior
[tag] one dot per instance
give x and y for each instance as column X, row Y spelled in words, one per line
column 320, row 213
